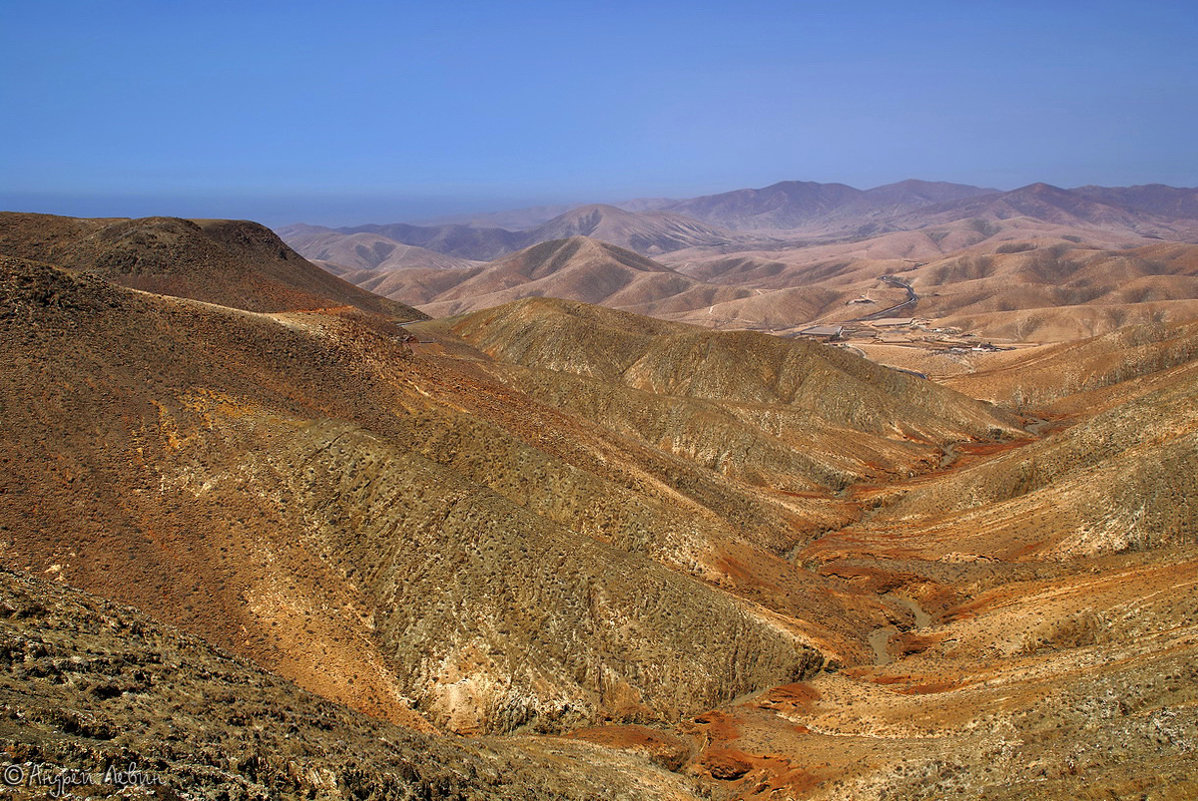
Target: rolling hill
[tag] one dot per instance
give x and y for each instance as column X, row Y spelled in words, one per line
column 289, row 400
column 1119, row 477
column 285, row 404
column 1006, row 285
column 1042, row 202
column 1157, row 199
column 577, row 268
column 345, row 254
column 1096, row 372
column 836, row 209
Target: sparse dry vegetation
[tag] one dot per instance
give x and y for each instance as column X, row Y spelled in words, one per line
column 626, row 557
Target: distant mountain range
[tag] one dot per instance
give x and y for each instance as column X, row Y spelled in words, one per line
column 1039, row 260
column 791, row 205
column 648, row 233
column 773, row 216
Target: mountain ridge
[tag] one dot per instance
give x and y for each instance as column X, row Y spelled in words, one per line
column 229, row 262
column 787, row 215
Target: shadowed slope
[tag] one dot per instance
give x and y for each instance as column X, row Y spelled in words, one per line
column 788, row 204
column 1165, row 201
column 808, row 205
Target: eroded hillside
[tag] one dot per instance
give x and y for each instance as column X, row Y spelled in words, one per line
column 615, row 551
column 307, row 466
column 87, row 684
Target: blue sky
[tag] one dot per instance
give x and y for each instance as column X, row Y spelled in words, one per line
column 372, row 111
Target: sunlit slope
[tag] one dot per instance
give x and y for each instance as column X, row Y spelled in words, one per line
column 260, row 480
column 1088, row 374
column 1121, row 479
column 743, row 368
column 85, row 678
column 578, row 268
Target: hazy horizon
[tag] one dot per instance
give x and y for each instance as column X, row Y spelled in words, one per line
column 331, row 211
column 383, row 112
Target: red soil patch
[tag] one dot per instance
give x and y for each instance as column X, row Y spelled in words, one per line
column 797, row 697
column 907, row 643
column 718, row 725
column 757, row 774
column 887, row 680
column 726, row 764
column 664, row 748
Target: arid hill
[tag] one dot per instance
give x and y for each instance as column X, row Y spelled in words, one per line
column 284, row 406
column 229, row 262
column 348, row 254
column 1120, row 480
column 1086, row 375
column 811, row 207
column 1052, row 204
column 369, row 246
column 511, row 219
column 1036, row 264
column 836, row 209
column 1059, row 292
column 578, row 268
column 462, row 241
column 676, row 361
column 1076, row 552
column 1001, row 286
column 1158, row 199
column 288, row 401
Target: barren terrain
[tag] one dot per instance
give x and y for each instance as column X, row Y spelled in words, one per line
column 1036, row 265
column 274, row 536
